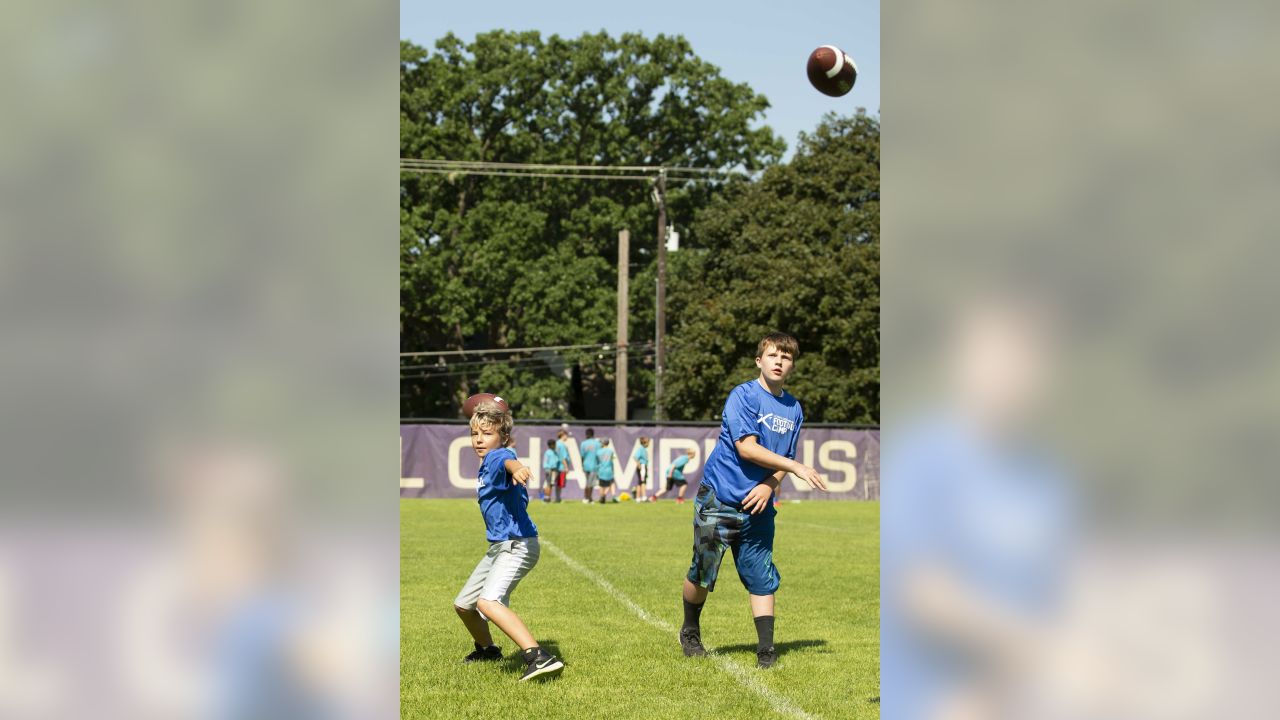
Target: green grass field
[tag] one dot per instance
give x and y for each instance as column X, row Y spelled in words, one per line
column 620, row 665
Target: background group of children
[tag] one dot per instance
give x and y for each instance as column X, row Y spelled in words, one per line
column 597, row 466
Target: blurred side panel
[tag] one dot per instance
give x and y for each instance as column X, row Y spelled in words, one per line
column 1080, row 370
column 198, row 296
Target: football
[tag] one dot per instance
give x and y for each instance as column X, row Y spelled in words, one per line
column 469, row 407
column 832, row 71
column 624, row 497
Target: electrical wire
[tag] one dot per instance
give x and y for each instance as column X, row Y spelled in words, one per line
column 485, row 164
column 534, row 348
column 566, row 176
column 631, row 358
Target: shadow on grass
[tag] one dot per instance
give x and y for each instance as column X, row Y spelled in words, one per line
column 781, row 648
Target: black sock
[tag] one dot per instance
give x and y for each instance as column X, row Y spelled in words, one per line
column 691, row 614
column 764, row 630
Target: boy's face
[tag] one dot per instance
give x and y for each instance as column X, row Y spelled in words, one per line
column 775, row 364
column 484, row 437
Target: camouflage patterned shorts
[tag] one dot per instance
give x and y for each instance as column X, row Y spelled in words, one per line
column 721, row 526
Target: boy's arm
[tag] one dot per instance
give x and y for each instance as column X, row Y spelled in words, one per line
column 750, row 449
column 519, row 473
column 758, row 498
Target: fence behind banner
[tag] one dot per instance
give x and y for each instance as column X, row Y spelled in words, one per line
column 436, row 460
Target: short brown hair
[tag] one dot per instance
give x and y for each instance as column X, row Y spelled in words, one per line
column 780, row 340
column 491, row 413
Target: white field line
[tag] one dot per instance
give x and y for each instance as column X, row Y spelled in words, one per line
column 744, row 676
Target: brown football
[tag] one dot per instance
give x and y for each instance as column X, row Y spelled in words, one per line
column 832, row 71
column 469, row 407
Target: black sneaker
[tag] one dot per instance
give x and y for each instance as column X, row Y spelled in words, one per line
column 766, row 658
column 493, row 652
column 691, row 643
column 540, row 663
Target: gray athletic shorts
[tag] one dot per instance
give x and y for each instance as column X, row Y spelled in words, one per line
column 593, row 477
column 499, row 571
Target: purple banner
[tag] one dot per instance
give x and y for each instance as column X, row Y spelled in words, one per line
column 436, row 461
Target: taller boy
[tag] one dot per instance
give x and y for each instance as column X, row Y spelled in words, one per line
column 755, row 450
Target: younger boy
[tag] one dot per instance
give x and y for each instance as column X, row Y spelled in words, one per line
column 604, row 470
column 642, row 467
column 562, row 452
column 757, row 446
column 513, row 547
column 588, row 450
column 675, row 477
column 550, row 471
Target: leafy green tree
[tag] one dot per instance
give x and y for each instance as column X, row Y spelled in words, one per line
column 492, row 261
column 797, row 251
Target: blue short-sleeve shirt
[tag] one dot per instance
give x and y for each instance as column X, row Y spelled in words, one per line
column 604, row 460
column 562, row 450
column 677, row 467
column 550, row 460
column 503, row 503
column 589, row 448
column 642, row 455
column 751, row 410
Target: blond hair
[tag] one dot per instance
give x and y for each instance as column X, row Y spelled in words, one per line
column 490, row 414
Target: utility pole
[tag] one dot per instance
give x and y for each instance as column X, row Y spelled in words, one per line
column 624, row 269
column 659, row 349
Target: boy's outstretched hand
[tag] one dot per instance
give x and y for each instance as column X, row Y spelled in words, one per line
column 810, row 476
column 521, row 475
column 757, row 499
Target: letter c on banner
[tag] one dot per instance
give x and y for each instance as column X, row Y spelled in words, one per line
column 455, row 464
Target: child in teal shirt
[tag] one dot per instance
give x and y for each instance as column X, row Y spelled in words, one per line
column 604, row 470
column 642, row 468
column 550, row 471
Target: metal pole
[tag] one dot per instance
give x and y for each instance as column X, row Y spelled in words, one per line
column 659, row 349
column 620, row 384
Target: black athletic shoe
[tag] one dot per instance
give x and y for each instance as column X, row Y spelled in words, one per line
column 766, row 658
column 691, row 643
column 493, row 652
column 540, row 663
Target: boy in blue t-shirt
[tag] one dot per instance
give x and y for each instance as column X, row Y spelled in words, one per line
column 513, row 546
column 676, row 478
column 588, row 450
column 642, row 467
column 758, row 435
column 550, row 471
column 604, row 471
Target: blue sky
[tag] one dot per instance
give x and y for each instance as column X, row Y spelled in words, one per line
column 764, row 44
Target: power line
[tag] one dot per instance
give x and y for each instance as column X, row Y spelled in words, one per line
column 491, row 351
column 505, row 361
column 570, row 172
column 633, row 358
column 566, row 176
column 484, row 164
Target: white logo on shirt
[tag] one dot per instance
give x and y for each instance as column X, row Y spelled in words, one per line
column 776, row 423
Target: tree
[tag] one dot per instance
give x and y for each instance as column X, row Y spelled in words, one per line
column 797, row 251
column 491, row 262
